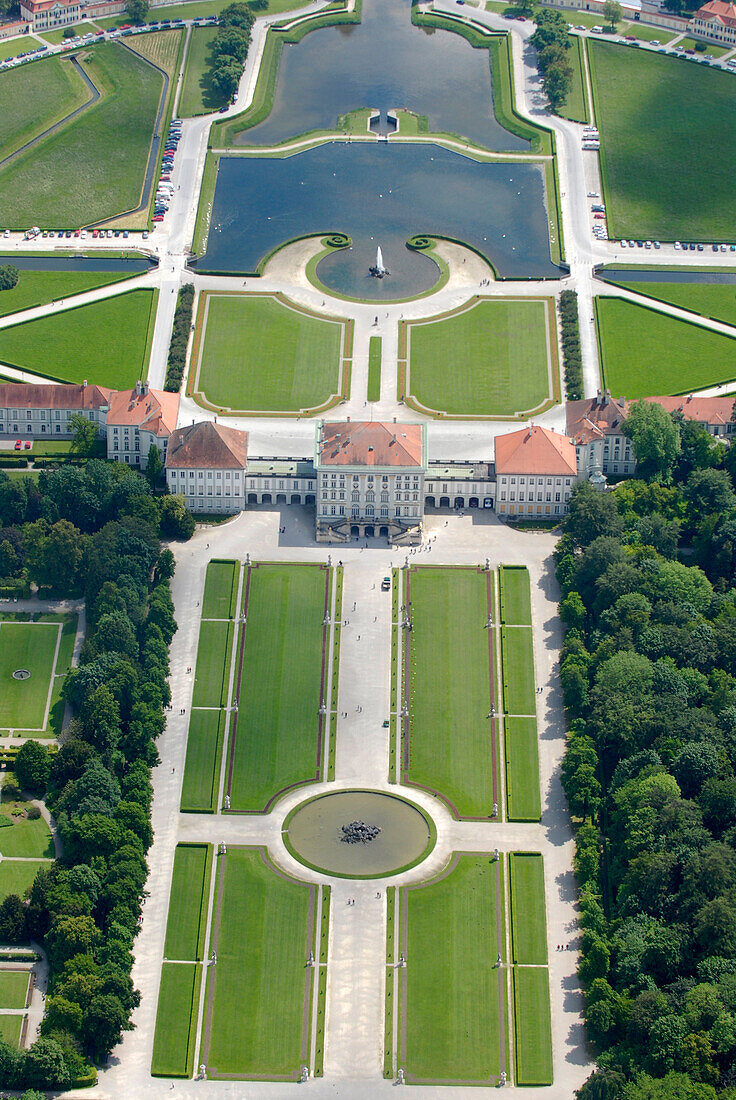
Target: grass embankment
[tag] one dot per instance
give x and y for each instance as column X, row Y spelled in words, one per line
column 38, row 288
column 107, row 342
column 644, row 352
column 663, row 123
column 259, row 991
column 33, row 98
column 276, row 743
column 576, row 106
column 374, row 368
column 260, row 354
column 499, row 350
column 92, row 168
column 451, row 942
column 714, row 300
column 198, row 95
column 449, row 747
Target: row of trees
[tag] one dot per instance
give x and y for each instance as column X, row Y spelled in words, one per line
column 179, row 339
column 86, row 907
column 648, row 671
column 229, row 49
column 571, row 354
column 552, row 42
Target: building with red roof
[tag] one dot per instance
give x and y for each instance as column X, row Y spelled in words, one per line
column 44, row 409
column 715, row 21
column 536, row 470
column 138, row 418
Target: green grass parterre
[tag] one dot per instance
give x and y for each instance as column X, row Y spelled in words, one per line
column 29, row 646
column 212, row 671
column 220, row 589
column 528, row 919
column 515, row 594
column 517, row 653
column 176, row 1019
column 190, row 881
column 714, row 300
column 532, row 1025
column 16, row 876
column 14, row 988
column 523, row 801
column 205, row 740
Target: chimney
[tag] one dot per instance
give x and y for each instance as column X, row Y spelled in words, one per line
column 84, row 384
column 606, row 397
column 144, row 388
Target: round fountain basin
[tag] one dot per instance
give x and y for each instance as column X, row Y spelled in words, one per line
column 312, row 833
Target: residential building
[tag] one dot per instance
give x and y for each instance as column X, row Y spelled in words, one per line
column 34, row 410
column 712, row 413
column 536, row 470
column 715, row 21
column 370, row 480
column 596, row 427
column 136, row 419
column 206, row 464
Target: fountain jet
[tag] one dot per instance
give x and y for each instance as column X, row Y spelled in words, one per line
column 378, row 271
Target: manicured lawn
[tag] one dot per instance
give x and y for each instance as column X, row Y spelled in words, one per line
column 105, row 342
column 532, row 1025
column 94, row 167
column 211, row 680
column 198, row 96
column 202, row 768
column 185, row 927
column 715, row 300
column 711, row 48
column 29, row 646
column 57, row 36
column 25, row 838
column 516, row 602
column 13, row 988
column 489, row 359
column 449, row 733
column 176, row 1020
column 647, row 34
column 261, row 354
column 644, row 352
column 11, row 47
column 576, row 107
column 276, row 742
column 257, row 988
column 665, row 126
column 36, row 288
column 519, row 688
column 17, row 876
column 454, row 1031
column 374, row 368
column 220, row 593
column 10, row 1028
column 528, row 920
column 522, row 769
column 34, row 97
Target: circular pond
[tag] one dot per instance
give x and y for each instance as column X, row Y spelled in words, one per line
column 359, row 834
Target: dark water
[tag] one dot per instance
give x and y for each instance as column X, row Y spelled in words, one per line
column 648, row 275
column 382, row 63
column 133, row 265
column 379, row 194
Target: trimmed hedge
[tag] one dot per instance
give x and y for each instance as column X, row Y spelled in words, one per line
column 179, row 339
column 14, row 462
column 571, row 345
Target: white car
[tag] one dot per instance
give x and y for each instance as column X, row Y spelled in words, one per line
column 623, row 244
column 678, row 246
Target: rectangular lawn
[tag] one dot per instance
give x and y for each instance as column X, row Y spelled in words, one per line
column 212, row 672
column 35, row 97
column 16, row 876
column 454, row 1008
column 10, row 1028
column 528, row 919
column 202, row 768
column 25, row 838
column 276, row 739
column 32, row 647
column 499, row 354
column 190, row 882
column 14, row 988
column 532, row 1027
column 176, row 1020
column 450, row 736
column 519, row 688
column 259, row 353
column 666, row 126
column 198, row 95
column 522, row 769
column 515, row 594
column 258, row 991
column 644, row 352
column 220, row 593
column 716, row 300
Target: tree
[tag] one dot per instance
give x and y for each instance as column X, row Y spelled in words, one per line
column 8, row 276
column 137, row 10
column 114, row 634
column 177, row 522
column 13, row 920
column 154, row 466
column 708, row 493
column 557, row 83
column 612, row 13
column 236, row 15
column 33, row 767
column 572, row 610
column 603, row 1084
column 104, row 1022
column 54, row 554
column 591, row 514
column 225, row 77
column 672, row 1085
column 85, row 434
column 655, row 438
column 45, row 1065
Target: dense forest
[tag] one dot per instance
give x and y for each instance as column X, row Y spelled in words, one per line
column 648, row 672
column 93, row 532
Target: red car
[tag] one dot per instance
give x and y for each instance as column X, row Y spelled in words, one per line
column 599, row 217
column 157, row 218
column 27, row 444
column 18, row 445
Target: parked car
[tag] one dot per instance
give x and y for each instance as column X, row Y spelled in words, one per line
column 18, row 445
column 27, row 444
column 599, row 217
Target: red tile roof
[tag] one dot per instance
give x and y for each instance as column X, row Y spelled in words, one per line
column 595, row 417
column 46, row 395
column 717, row 11
column 371, row 443
column 207, row 446
column 154, row 410
column 706, row 410
column 535, row 450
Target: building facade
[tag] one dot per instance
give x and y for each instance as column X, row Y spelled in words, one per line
column 715, row 21
column 536, row 470
column 460, row 485
column 45, row 15
column 206, row 464
column 137, row 419
column 370, row 480
column 596, row 427
column 44, row 410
